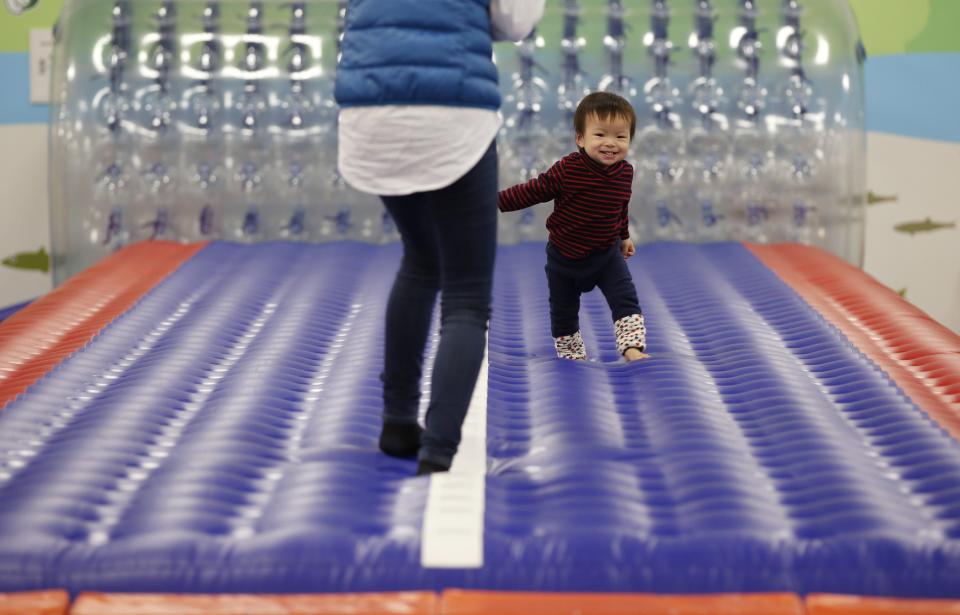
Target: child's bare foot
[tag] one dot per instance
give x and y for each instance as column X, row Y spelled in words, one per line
column 632, row 354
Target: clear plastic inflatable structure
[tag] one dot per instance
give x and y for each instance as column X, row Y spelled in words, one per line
column 191, row 120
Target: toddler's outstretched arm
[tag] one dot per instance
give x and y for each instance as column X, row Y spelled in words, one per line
column 545, row 187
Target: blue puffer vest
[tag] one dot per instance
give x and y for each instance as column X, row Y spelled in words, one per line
column 418, row 52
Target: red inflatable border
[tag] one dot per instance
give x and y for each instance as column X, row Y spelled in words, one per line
column 37, row 338
column 918, row 353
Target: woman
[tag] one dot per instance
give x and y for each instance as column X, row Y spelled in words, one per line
column 419, row 100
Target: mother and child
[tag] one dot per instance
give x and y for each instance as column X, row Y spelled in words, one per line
column 419, row 99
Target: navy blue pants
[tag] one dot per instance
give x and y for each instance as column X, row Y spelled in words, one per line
column 567, row 279
column 449, row 246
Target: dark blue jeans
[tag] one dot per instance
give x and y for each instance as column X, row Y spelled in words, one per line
column 567, row 279
column 449, row 246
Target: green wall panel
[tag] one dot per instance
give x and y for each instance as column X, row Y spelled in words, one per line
column 908, row 26
column 15, row 29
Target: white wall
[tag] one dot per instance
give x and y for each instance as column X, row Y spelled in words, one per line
column 925, row 175
column 24, row 212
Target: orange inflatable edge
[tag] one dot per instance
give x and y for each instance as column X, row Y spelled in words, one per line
column 51, row 602
column 464, row 602
column 398, row 603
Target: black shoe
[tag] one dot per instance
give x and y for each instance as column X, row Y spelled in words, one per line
column 400, row 439
column 428, row 467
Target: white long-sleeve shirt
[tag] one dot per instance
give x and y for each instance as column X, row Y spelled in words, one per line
column 401, row 149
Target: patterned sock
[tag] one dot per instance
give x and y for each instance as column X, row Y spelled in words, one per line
column 570, row 347
column 631, row 333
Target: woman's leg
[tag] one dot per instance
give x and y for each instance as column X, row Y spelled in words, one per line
column 465, row 225
column 408, row 318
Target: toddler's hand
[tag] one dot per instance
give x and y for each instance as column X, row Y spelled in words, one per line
column 627, row 248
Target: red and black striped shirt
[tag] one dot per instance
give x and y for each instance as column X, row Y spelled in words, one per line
column 589, row 203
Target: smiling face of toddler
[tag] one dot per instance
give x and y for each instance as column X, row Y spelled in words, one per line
column 605, row 140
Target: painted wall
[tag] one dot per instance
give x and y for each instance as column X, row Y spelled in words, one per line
column 913, row 150
column 24, row 214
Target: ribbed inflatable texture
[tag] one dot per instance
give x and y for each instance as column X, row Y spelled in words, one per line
column 10, row 310
column 220, row 436
column 921, row 355
column 34, row 341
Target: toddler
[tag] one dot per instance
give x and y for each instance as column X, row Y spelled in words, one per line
column 589, row 237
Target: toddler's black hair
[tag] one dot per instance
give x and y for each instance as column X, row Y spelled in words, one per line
column 604, row 105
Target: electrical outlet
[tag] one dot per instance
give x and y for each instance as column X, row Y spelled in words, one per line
column 41, row 61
